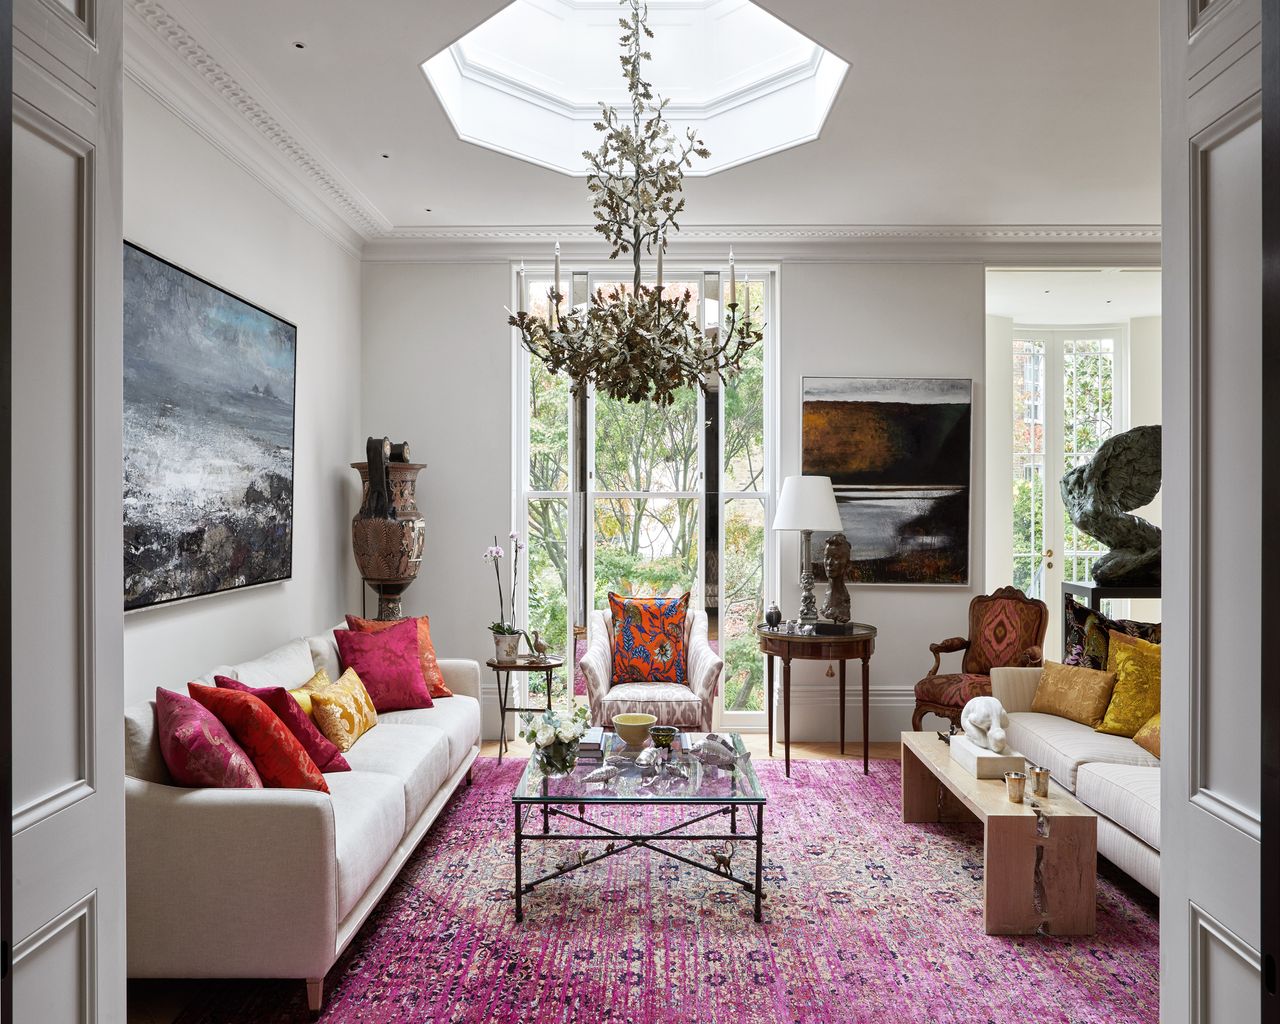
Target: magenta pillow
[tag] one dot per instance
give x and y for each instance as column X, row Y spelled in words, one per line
column 388, row 664
column 323, row 751
column 197, row 747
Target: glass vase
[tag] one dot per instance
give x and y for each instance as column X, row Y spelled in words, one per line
column 557, row 760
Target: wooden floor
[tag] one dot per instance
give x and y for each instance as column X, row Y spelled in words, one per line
column 161, row 1001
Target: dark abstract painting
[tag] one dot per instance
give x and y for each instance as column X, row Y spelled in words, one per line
column 898, row 453
column 208, row 437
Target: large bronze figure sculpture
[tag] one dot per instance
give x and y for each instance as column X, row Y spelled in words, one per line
column 1100, row 495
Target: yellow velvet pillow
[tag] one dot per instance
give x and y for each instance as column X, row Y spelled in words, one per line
column 1074, row 692
column 1148, row 737
column 343, row 710
column 1136, row 664
column 303, row 697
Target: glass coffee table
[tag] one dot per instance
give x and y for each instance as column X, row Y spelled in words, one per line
column 703, row 792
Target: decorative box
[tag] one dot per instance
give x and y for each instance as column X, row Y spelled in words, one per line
column 981, row 762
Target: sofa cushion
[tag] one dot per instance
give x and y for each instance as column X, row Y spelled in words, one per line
column 388, row 664
column 297, row 720
column 341, row 709
column 417, row 756
column 1062, row 745
column 649, row 640
column 142, row 757
column 368, row 824
column 458, row 718
column 672, row 703
column 426, row 649
column 324, row 652
column 1127, row 794
column 289, row 665
column 1073, row 691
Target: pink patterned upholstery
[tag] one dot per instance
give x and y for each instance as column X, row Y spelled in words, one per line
column 954, row 690
column 1001, row 628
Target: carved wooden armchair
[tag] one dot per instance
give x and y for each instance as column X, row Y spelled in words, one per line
column 1006, row 630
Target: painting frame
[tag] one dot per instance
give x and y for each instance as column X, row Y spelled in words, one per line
column 284, row 503
column 963, row 578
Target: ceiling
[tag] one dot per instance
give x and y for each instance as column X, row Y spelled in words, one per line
column 986, row 112
column 1075, row 297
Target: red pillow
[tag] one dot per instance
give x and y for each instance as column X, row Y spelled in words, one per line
column 388, row 665
column 426, row 649
column 280, row 759
column 327, row 757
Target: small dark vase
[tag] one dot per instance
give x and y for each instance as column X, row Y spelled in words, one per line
column 773, row 616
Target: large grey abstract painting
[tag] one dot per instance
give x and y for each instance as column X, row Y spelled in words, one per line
column 208, row 437
column 897, row 450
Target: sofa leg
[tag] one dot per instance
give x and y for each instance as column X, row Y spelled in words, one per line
column 468, row 775
column 917, row 718
column 315, row 994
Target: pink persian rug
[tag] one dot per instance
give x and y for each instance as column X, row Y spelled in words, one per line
column 866, row 920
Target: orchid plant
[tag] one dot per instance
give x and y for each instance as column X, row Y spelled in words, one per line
column 495, row 554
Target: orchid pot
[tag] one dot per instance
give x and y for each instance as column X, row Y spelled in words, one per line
column 506, row 647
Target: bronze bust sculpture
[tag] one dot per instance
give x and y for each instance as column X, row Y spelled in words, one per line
column 836, row 556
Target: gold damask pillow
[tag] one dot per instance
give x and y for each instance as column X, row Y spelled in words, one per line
column 1148, row 737
column 341, row 710
column 1070, row 691
column 1136, row 698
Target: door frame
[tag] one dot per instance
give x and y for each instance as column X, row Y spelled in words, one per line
column 1270, row 553
column 6, row 499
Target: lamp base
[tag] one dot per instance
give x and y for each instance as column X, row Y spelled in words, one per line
column 808, row 603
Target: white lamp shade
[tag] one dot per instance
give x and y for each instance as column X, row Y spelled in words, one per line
column 807, row 503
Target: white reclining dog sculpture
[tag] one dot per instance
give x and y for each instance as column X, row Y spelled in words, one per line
column 984, row 722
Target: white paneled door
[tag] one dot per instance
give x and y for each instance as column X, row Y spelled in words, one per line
column 68, row 809
column 1211, row 674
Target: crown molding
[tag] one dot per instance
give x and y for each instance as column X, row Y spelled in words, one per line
column 218, row 100
column 1009, row 245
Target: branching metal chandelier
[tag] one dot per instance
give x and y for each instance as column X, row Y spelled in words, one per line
column 635, row 345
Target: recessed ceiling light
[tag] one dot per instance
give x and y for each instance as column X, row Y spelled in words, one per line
column 299, row 46
column 427, row 208
column 386, row 156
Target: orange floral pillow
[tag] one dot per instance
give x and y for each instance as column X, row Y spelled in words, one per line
column 648, row 638
column 280, row 759
column 426, row 650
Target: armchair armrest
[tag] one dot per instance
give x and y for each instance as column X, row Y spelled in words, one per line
column 1015, row 688
column 597, row 665
column 949, row 646
column 704, row 667
column 230, row 882
column 1032, row 657
column 461, row 675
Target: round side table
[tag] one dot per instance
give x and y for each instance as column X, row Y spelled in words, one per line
column 502, row 671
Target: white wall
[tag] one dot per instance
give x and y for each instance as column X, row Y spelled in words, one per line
column 185, row 201
column 1145, row 379
column 881, row 320
column 437, row 373
column 999, row 449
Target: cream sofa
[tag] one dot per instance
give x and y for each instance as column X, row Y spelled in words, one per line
column 273, row 883
column 688, row 706
column 1112, row 775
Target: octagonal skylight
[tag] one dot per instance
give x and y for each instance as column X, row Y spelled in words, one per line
column 528, row 82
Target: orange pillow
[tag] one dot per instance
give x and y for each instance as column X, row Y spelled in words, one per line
column 280, row 759
column 426, row 650
column 648, row 639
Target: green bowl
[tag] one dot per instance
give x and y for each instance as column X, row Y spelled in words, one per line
column 663, row 735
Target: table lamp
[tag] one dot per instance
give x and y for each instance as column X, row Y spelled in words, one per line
column 807, row 503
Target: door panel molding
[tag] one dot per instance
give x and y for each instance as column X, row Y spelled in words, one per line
column 79, row 783
column 81, row 919
column 1229, row 808
column 1208, row 935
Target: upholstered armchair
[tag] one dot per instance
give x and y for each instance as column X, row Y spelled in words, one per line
column 685, row 705
column 1006, row 630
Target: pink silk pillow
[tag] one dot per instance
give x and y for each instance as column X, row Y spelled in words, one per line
column 324, row 753
column 197, row 747
column 388, row 664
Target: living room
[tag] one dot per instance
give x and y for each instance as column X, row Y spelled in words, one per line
column 821, row 514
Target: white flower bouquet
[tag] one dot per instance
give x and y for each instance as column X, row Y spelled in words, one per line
column 555, row 737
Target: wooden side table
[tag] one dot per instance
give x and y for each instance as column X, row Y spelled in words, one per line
column 858, row 642
column 502, row 670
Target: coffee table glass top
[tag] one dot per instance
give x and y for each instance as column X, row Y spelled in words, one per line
column 704, row 784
